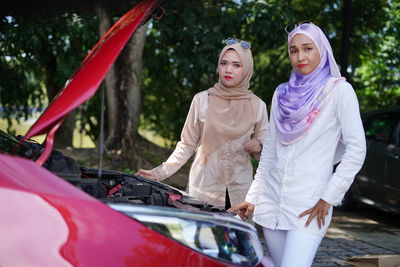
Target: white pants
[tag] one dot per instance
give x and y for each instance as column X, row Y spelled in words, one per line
column 291, row 248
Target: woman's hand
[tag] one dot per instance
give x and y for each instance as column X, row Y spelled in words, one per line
column 253, row 146
column 320, row 210
column 244, row 210
column 146, row 174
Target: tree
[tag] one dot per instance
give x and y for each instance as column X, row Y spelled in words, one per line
column 40, row 55
column 180, row 57
column 181, row 61
column 379, row 73
column 58, row 43
column 123, row 86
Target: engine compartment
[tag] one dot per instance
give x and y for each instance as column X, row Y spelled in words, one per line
column 116, row 186
column 111, row 186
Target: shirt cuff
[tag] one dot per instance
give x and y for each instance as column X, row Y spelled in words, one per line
column 335, row 190
column 251, row 197
column 160, row 172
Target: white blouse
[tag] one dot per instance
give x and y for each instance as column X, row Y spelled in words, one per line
column 227, row 168
column 292, row 178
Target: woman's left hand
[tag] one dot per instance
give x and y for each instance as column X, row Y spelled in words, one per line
column 244, row 210
column 253, row 146
column 320, row 210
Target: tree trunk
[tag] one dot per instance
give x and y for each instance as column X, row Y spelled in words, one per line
column 130, row 85
column 64, row 135
column 123, row 84
column 110, row 84
column 346, row 37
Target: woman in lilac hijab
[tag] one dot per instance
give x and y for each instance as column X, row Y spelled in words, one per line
column 315, row 123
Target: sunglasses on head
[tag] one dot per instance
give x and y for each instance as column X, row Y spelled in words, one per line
column 244, row 44
column 303, row 25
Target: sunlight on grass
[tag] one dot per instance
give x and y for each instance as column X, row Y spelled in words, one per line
column 21, row 128
column 82, row 141
column 156, row 139
column 79, row 140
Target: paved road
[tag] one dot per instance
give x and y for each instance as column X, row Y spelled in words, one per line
column 356, row 233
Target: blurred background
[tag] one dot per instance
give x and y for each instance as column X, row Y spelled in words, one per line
column 169, row 60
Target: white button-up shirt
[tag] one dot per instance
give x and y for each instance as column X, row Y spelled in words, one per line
column 292, row 178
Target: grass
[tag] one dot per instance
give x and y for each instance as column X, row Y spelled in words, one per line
column 85, row 153
column 79, row 140
column 22, row 127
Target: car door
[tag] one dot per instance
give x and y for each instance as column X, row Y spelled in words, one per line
column 373, row 182
column 393, row 167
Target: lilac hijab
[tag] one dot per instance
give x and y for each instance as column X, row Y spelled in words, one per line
column 300, row 100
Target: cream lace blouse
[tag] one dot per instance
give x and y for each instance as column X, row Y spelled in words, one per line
column 229, row 167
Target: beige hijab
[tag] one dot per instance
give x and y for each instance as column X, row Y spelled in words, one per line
column 231, row 111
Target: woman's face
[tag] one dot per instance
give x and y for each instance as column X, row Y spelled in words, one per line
column 230, row 69
column 303, row 54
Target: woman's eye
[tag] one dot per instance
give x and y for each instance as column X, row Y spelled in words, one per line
column 308, row 49
column 236, row 65
column 222, row 63
column 293, row 51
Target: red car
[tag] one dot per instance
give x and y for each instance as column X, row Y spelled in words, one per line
column 79, row 219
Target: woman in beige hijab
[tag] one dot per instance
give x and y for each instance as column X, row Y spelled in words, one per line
column 225, row 124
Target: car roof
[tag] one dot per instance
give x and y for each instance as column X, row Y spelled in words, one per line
column 370, row 113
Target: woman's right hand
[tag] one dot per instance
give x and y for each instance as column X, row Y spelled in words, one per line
column 146, row 174
column 253, row 146
column 244, row 210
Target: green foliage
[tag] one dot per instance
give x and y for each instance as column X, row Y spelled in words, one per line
column 129, row 171
column 40, row 53
column 379, row 74
column 19, row 89
column 182, row 49
column 182, row 60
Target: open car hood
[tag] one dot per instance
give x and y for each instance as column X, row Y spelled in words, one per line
column 85, row 81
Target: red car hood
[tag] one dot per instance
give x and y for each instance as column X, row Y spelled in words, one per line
column 84, row 82
column 46, row 221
